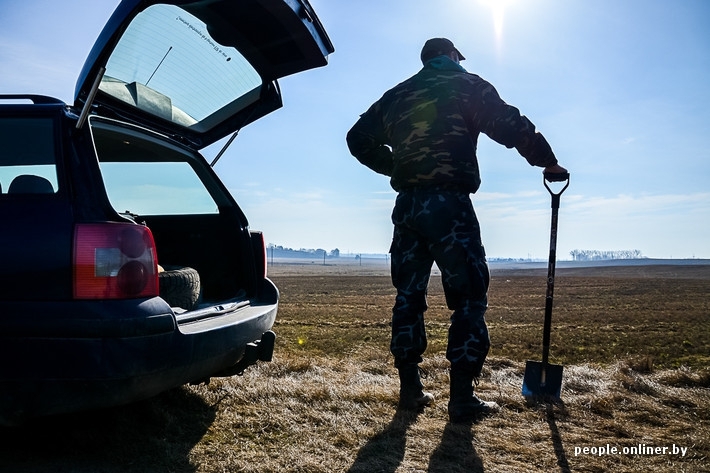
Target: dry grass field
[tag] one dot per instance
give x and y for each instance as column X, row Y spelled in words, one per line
column 633, row 340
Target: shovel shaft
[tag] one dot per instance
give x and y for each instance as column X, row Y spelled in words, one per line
column 549, row 296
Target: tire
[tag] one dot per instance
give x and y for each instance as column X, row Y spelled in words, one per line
column 180, row 286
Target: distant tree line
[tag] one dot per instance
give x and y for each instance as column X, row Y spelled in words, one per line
column 597, row 255
column 278, row 251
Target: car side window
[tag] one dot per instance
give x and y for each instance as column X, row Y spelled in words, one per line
column 27, row 156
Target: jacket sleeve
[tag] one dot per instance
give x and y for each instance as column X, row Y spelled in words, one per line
column 504, row 124
column 366, row 141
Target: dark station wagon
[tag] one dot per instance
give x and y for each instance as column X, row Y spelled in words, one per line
column 127, row 267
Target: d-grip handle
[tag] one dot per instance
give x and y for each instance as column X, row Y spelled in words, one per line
column 556, row 176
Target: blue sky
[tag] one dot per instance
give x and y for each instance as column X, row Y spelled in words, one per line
column 619, row 88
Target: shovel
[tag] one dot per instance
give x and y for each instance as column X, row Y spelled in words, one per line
column 542, row 379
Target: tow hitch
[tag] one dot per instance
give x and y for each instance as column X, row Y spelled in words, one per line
column 259, row 350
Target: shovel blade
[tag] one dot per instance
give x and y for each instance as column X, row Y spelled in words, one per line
column 534, row 385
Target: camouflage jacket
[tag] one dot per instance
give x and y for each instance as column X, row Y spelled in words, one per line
column 424, row 131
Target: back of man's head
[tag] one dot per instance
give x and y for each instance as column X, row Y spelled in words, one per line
column 436, row 47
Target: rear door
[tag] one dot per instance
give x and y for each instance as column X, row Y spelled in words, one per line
column 37, row 222
column 199, row 70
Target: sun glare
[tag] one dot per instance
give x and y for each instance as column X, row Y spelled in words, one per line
column 497, row 8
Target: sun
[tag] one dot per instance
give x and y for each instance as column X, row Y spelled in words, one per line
column 497, row 8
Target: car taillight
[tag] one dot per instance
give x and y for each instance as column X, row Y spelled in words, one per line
column 114, row 261
column 258, row 245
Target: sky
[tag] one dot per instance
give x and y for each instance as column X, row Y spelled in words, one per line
column 620, row 89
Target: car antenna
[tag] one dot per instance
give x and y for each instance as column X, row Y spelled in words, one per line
column 224, row 148
column 90, row 98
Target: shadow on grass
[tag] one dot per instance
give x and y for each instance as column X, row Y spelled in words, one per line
column 455, row 453
column 153, row 435
column 557, row 440
column 553, row 409
column 384, row 452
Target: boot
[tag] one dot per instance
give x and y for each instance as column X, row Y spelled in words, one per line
column 411, row 395
column 464, row 405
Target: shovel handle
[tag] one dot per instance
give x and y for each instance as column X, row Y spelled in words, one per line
column 556, row 176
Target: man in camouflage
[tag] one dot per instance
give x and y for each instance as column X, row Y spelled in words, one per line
column 423, row 134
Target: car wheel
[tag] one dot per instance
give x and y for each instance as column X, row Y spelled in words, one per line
column 180, row 286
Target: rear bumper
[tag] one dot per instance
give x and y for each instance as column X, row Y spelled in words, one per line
column 77, row 363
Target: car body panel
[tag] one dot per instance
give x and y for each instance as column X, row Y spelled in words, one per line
column 118, row 360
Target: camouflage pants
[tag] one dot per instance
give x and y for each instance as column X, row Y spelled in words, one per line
column 439, row 226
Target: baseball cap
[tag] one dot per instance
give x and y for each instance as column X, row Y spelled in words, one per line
column 438, row 46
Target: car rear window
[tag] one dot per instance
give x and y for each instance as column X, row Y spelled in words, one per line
column 145, row 175
column 156, row 188
column 168, row 64
column 27, row 156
